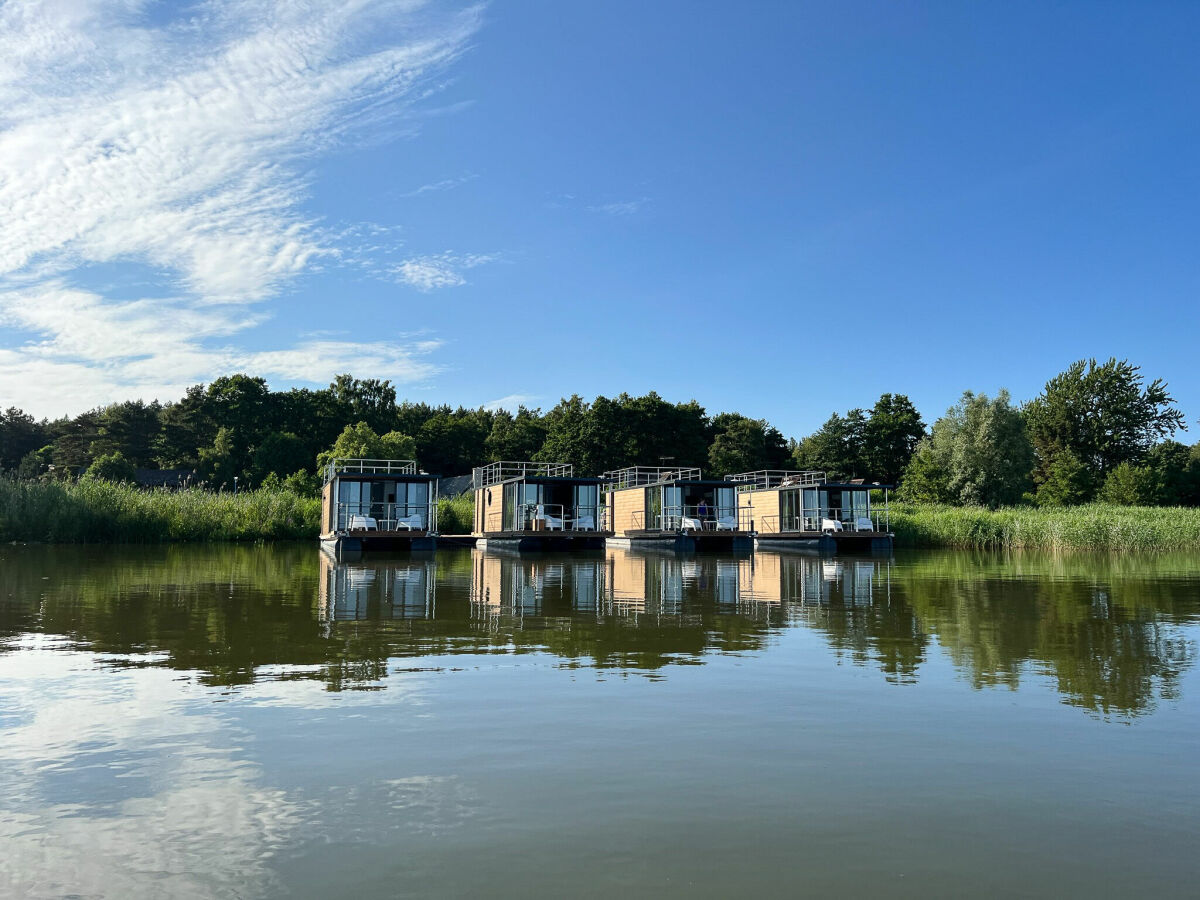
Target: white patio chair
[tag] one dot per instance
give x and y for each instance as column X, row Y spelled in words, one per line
column 553, row 523
column 362, row 523
column 415, row 522
column 831, row 525
column 864, row 523
column 687, row 523
column 726, row 523
column 584, row 523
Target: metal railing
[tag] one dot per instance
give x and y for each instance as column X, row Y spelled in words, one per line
column 367, row 516
column 694, row 518
column 816, row 519
column 632, row 476
column 557, row 517
column 507, row 470
column 550, row 517
column 702, row 517
column 764, row 479
column 370, row 467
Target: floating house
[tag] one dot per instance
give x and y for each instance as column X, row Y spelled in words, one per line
column 537, row 506
column 675, row 509
column 806, row 510
column 378, row 504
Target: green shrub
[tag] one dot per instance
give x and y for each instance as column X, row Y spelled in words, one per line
column 111, row 467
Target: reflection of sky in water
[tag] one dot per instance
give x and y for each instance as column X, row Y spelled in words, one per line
column 129, row 782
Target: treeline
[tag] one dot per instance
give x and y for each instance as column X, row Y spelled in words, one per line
column 237, row 426
column 1097, row 431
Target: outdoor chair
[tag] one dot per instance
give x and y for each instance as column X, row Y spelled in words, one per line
column 687, row 523
column 415, row 522
column 726, row 523
column 553, row 523
column 362, row 523
column 864, row 523
column 831, row 525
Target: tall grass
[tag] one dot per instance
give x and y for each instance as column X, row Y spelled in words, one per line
column 456, row 515
column 102, row 511
column 1096, row 526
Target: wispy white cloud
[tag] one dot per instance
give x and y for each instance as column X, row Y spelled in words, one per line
column 439, row 270
column 512, row 402
column 621, row 207
column 445, row 184
column 89, row 350
column 179, row 146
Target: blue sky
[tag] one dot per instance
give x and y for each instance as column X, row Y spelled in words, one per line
column 783, row 209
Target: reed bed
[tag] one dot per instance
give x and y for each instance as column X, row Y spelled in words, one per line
column 1096, row 526
column 456, row 515
column 104, row 512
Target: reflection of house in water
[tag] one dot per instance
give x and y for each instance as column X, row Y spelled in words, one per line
column 532, row 585
column 645, row 582
column 377, row 588
column 813, row 580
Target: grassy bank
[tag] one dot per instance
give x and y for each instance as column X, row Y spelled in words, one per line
column 1092, row 527
column 101, row 511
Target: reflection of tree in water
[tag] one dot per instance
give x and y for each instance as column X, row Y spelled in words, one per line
column 1107, row 630
column 222, row 610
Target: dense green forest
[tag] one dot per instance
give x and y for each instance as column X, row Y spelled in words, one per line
column 1098, row 431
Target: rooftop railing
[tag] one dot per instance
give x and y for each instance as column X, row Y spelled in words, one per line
column 765, row 479
column 507, row 470
column 632, row 476
column 370, row 467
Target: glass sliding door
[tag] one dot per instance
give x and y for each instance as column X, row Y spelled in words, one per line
column 727, row 506
column 587, row 507
column 412, row 499
column 791, row 515
column 511, row 502
column 810, row 514
column 672, row 507
column 653, row 508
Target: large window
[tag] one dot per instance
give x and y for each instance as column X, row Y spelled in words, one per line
column 653, row 507
column 726, row 503
column 587, row 502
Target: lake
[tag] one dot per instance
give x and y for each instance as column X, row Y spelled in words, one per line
column 219, row 721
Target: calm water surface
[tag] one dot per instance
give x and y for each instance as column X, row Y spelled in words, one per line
column 259, row 721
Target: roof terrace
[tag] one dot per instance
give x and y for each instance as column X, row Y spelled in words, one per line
column 765, row 479
column 507, row 470
column 369, row 467
column 632, row 476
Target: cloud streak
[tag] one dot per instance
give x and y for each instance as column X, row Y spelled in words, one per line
column 179, row 146
column 440, row 270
